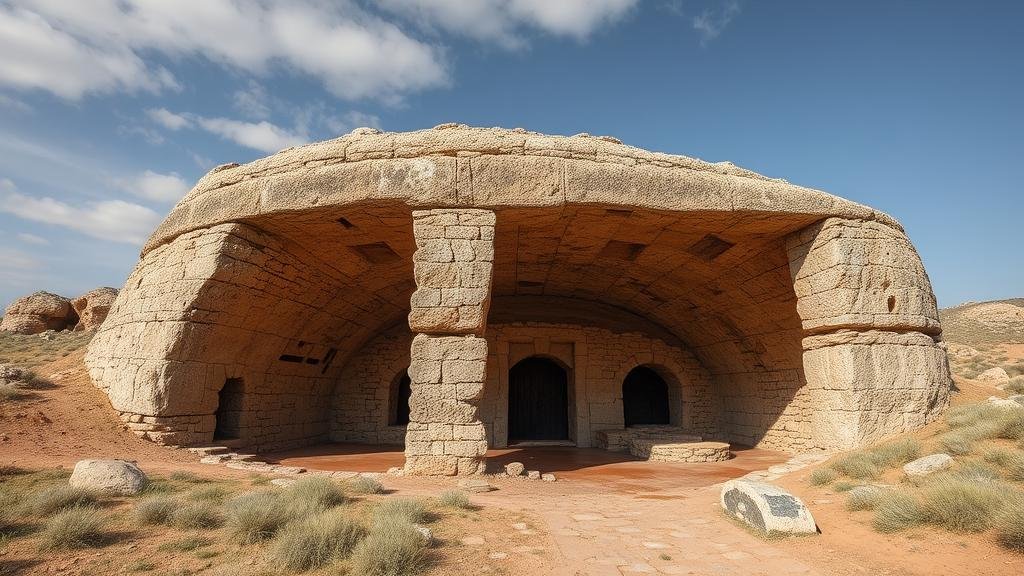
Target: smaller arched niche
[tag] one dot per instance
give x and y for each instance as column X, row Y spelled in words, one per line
column 645, row 398
column 401, row 389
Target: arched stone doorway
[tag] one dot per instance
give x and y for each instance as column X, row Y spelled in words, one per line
column 401, row 390
column 538, row 401
column 645, row 398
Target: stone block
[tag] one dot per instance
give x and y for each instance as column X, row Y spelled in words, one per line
column 766, row 508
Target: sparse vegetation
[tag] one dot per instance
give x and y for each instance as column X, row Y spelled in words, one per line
column 31, row 351
column 156, row 510
column 54, row 499
column 455, row 499
column 186, row 544
column 823, row 476
column 895, row 511
column 407, row 509
column 317, row 541
column 1009, row 525
column 844, row 486
column 863, row 499
column 366, row 485
column 314, row 494
column 256, row 516
column 858, row 465
column 961, row 505
column 393, row 548
column 75, row 527
column 197, row 516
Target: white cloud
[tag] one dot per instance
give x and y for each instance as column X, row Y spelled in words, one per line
column 253, row 101
column 502, row 21
column 712, row 21
column 113, row 220
column 262, row 136
column 167, row 119
column 154, row 186
column 33, row 239
column 14, row 104
column 77, row 48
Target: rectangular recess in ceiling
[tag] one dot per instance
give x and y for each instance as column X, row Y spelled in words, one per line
column 710, row 247
column 376, row 253
column 618, row 250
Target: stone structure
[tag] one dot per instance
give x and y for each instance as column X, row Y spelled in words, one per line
column 460, row 288
column 42, row 311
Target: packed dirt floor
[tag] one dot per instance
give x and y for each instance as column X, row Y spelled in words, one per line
column 606, row 515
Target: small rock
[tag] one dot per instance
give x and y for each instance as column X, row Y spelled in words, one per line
column 428, row 536
column 996, row 374
column 475, row 485
column 515, row 468
column 928, row 464
column 110, row 476
column 548, row 477
column 533, row 474
column 866, row 490
column 766, row 507
column 213, row 459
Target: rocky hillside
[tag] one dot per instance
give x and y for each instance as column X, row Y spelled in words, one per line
column 980, row 323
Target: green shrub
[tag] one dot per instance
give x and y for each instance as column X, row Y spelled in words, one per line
column 962, row 505
column 75, row 527
column 314, row 494
column 316, row 541
column 455, row 499
column 895, row 511
column 393, row 548
column 865, row 499
column 366, row 485
column 1009, row 525
column 56, row 498
column 156, row 510
column 407, row 509
column 823, row 476
column 197, row 516
column 256, row 516
column 857, row 465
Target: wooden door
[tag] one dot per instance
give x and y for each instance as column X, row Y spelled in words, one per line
column 538, row 401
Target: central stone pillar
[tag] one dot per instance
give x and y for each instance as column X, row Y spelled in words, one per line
column 453, row 268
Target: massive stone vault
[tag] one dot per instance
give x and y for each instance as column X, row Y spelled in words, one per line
column 299, row 298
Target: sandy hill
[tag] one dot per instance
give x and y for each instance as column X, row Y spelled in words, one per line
column 979, row 323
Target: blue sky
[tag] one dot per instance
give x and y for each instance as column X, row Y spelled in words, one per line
column 111, row 109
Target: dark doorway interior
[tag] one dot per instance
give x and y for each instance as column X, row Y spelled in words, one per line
column 401, row 410
column 644, row 397
column 538, row 401
column 229, row 409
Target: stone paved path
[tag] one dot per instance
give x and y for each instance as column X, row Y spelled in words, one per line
column 624, row 534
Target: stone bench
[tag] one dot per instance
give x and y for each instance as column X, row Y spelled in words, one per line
column 660, row 451
column 618, row 439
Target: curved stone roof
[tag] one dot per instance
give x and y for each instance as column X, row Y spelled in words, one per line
column 458, row 165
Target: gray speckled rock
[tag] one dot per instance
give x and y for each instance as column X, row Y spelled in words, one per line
column 515, row 468
column 767, row 508
column 928, row 464
column 110, row 476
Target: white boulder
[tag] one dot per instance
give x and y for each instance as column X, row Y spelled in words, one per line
column 110, row 476
column 997, row 375
column 928, row 464
column 766, row 507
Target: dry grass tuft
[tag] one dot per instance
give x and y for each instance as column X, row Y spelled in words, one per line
column 188, row 544
column 455, row 499
column 896, row 453
column 366, row 485
column 256, row 516
column 857, row 465
column 57, row 498
column 393, row 548
column 962, row 505
column 865, row 499
column 314, row 494
column 76, row 527
column 823, row 476
column 844, row 486
column 197, row 516
column 317, row 541
column 156, row 510
column 401, row 509
column 1009, row 525
column 895, row 511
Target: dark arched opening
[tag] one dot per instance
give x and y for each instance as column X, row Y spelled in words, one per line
column 644, row 397
column 401, row 391
column 229, row 409
column 538, row 401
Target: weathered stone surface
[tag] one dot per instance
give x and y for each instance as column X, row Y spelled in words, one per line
column 533, row 474
column 515, row 469
column 110, row 476
column 92, row 308
column 766, row 508
column 1012, row 402
column 661, row 451
column 475, row 485
column 548, row 477
column 268, row 306
column 37, row 313
column 927, row 464
column 996, row 375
